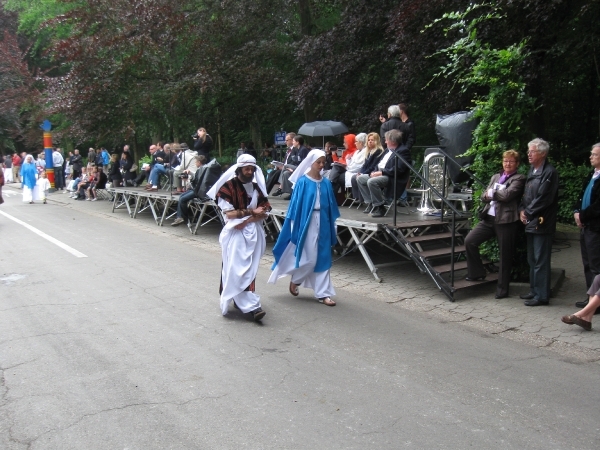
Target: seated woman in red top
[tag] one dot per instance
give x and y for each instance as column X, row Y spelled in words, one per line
column 338, row 168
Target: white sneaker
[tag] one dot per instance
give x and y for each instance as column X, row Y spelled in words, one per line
column 94, row 199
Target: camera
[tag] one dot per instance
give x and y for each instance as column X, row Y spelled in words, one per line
column 195, row 136
column 184, row 176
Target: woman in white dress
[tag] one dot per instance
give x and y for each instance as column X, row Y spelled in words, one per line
column 303, row 249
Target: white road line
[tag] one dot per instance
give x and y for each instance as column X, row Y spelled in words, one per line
column 62, row 245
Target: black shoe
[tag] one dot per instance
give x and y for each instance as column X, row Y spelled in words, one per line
column 277, row 193
column 476, row 278
column 536, row 303
column 368, row 209
column 402, row 203
column 258, row 314
column 527, row 296
column 378, row 211
column 499, row 296
column 582, row 304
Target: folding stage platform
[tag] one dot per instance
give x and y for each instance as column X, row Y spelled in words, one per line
column 356, row 231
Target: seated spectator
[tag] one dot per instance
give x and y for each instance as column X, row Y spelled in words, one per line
column 186, row 163
column 114, row 174
column 296, row 156
column 373, row 154
column 584, row 317
column 100, row 183
column 73, row 187
column 90, row 193
column 379, row 184
column 357, row 160
column 204, row 177
column 337, row 175
column 83, row 184
column 330, row 148
column 157, row 156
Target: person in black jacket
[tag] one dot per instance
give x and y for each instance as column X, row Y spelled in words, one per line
column 203, row 143
column 126, row 164
column 76, row 164
column 298, row 153
column 392, row 123
column 379, row 184
column 114, row 174
column 156, row 156
column 538, row 212
column 587, row 217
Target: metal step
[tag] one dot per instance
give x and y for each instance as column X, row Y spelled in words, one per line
column 461, row 265
column 462, row 284
column 430, row 237
column 446, row 251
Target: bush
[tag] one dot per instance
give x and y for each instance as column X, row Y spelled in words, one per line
column 571, row 179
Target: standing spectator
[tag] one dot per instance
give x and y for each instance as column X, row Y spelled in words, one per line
column 91, row 159
column 303, row 249
column 203, row 144
column 244, row 205
column 76, row 164
column 1, row 184
column 409, row 135
column 16, row 167
column 393, row 123
column 500, row 218
column 99, row 162
column 128, row 168
column 538, row 211
column 241, row 150
column 105, row 160
column 8, row 174
column 587, row 217
column 29, row 175
column 250, row 150
column 57, row 161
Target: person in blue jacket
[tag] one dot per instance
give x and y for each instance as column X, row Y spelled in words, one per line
column 303, row 249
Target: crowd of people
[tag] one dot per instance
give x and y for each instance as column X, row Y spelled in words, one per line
column 310, row 179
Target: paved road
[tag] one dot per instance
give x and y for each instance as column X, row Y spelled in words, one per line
column 126, row 348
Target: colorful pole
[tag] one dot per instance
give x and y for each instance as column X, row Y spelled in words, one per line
column 47, row 126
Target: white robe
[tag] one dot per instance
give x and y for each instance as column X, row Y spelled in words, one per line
column 305, row 275
column 242, row 250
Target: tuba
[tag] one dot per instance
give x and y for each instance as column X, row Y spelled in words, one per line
column 433, row 171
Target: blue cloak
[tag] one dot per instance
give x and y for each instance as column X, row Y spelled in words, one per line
column 28, row 173
column 300, row 211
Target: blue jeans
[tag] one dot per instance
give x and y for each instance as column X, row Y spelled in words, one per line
column 182, row 203
column 155, row 174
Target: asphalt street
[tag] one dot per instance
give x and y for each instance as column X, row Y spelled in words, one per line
column 111, row 337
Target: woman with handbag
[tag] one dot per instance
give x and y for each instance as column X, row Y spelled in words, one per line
column 500, row 218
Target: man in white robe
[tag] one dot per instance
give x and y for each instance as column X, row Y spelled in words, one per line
column 244, row 205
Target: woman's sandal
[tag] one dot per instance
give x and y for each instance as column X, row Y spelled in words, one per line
column 294, row 289
column 327, row 301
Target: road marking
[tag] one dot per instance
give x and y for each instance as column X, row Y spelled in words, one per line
column 55, row 241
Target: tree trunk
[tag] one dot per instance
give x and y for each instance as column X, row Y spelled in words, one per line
column 306, row 28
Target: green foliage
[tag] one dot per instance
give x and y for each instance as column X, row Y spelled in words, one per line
column 494, row 79
column 571, row 183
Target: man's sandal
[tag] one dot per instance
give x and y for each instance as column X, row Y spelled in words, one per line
column 327, row 301
column 294, row 289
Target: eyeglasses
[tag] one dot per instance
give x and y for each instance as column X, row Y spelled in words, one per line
column 531, row 152
column 595, row 154
column 509, row 161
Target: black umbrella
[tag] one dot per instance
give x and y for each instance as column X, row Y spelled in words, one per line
column 323, row 128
